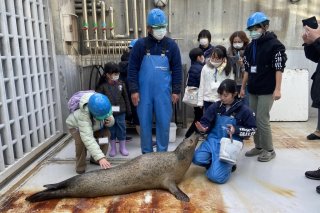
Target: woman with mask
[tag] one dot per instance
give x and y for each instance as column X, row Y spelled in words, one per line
column 204, row 39
column 218, row 68
column 225, row 118
column 154, row 77
column 111, row 86
column 238, row 43
column 264, row 60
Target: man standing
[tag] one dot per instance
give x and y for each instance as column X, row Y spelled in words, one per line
column 154, row 77
column 311, row 39
column 264, row 60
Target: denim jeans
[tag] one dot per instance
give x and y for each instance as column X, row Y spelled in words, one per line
column 118, row 130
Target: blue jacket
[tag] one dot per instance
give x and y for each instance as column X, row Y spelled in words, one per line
column 138, row 52
column 194, row 74
column 245, row 117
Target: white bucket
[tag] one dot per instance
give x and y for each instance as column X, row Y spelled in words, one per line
column 229, row 151
column 173, row 132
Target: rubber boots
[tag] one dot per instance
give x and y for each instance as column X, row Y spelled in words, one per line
column 123, row 150
column 113, row 151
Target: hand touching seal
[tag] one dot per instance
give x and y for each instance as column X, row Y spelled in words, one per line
column 104, row 164
column 200, row 127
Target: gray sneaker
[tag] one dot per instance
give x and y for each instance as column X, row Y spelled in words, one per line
column 266, row 156
column 253, row 152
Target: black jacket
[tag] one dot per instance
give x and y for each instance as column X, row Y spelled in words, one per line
column 207, row 52
column 117, row 94
column 123, row 64
column 312, row 53
column 270, row 57
column 194, row 74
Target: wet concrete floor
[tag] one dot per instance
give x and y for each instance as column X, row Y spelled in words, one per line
column 275, row 186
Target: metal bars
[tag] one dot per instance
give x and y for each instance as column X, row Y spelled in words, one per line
column 28, row 88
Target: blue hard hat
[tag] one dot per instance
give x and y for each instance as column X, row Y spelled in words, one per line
column 157, row 18
column 256, row 18
column 99, row 106
column 132, row 43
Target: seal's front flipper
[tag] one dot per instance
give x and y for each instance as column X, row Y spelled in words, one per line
column 180, row 195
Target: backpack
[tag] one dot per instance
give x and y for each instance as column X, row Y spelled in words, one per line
column 73, row 103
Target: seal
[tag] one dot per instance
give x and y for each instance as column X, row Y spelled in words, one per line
column 157, row 170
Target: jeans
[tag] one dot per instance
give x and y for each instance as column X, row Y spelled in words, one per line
column 118, row 130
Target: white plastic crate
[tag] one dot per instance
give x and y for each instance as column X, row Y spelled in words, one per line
column 293, row 105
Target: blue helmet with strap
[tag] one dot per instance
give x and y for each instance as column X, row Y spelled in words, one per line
column 99, row 106
column 157, row 18
column 132, row 43
column 256, row 18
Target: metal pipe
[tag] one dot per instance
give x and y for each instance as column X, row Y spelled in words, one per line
column 111, row 22
column 169, row 17
column 79, row 11
column 103, row 24
column 144, row 23
column 135, row 26
column 127, row 33
column 85, row 23
column 95, row 24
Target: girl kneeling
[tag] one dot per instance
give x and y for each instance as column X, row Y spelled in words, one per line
column 224, row 117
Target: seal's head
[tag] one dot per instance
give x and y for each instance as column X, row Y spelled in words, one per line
column 188, row 145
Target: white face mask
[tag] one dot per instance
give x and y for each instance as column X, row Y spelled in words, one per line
column 255, row 34
column 204, row 41
column 159, row 33
column 238, row 45
column 115, row 77
column 215, row 64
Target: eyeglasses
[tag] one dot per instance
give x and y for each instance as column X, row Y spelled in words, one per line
column 218, row 60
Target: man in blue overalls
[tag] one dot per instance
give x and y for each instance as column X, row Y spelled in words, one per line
column 154, row 78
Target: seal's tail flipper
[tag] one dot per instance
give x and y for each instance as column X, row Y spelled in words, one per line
column 50, row 193
column 41, row 196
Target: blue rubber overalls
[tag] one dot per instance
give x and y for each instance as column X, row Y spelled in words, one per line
column 155, row 96
column 207, row 154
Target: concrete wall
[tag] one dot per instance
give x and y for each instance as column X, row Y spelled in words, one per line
column 188, row 17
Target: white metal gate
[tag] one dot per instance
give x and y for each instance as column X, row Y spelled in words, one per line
column 29, row 102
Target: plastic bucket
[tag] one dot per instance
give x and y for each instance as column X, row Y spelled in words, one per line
column 229, row 151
